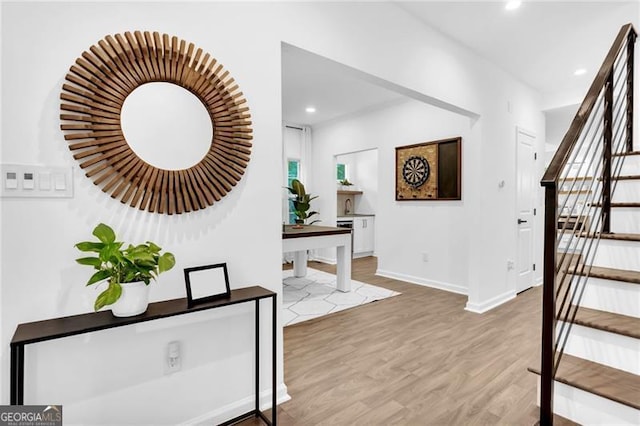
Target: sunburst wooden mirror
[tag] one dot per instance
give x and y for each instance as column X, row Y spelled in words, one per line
column 93, row 96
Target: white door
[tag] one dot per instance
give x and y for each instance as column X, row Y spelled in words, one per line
column 525, row 172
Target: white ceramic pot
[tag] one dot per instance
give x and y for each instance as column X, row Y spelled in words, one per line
column 133, row 300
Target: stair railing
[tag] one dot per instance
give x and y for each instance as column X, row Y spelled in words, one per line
column 579, row 183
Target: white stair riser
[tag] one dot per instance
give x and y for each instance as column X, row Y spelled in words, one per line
column 625, row 220
column 603, row 347
column 631, row 165
column 612, row 296
column 626, row 191
column 618, row 254
column 589, row 409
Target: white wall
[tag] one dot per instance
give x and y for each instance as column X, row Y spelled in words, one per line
column 39, row 278
column 92, row 375
column 362, row 169
column 467, row 242
column 404, row 230
column 557, row 122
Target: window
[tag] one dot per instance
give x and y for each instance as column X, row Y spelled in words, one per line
column 293, row 172
column 341, row 171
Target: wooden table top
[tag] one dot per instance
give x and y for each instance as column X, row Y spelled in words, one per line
column 312, row 231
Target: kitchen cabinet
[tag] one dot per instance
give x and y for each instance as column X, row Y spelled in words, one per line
column 363, row 235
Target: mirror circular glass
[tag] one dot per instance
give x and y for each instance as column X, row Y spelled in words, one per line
column 166, row 125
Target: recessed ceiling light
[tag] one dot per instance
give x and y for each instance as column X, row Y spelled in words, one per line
column 580, row 71
column 512, row 4
column 310, row 109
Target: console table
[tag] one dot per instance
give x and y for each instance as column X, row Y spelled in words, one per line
column 40, row 331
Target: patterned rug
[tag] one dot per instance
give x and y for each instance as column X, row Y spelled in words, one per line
column 316, row 295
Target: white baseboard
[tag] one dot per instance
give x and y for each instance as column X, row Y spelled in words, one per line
column 481, row 308
column 453, row 288
column 237, row 408
column 538, row 282
column 326, row 260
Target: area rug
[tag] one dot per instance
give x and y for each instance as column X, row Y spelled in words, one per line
column 316, row 295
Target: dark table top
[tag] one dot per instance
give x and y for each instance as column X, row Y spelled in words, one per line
column 312, row 231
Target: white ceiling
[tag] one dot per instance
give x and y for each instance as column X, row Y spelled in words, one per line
column 312, row 80
column 542, row 43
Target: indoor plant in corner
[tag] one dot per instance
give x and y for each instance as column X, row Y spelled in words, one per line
column 128, row 271
column 301, row 202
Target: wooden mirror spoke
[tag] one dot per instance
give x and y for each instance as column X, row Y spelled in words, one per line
column 94, row 92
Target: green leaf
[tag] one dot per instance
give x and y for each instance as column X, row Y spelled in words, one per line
column 166, row 262
column 99, row 276
column 89, row 246
column 108, row 297
column 298, row 187
column 111, row 252
column 153, row 248
column 104, row 233
column 91, row 261
column 140, row 256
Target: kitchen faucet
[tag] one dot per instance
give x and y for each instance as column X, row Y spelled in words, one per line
column 347, row 206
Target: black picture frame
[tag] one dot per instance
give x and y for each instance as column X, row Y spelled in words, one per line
column 206, row 283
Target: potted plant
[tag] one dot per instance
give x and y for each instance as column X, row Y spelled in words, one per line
column 301, row 202
column 345, row 185
column 128, row 270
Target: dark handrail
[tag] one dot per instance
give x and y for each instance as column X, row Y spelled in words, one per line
column 571, row 137
column 605, row 143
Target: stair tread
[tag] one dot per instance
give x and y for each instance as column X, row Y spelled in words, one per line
column 618, row 204
column 628, row 177
column 627, row 153
column 607, row 382
column 622, row 275
column 572, row 178
column 612, row 236
column 608, row 321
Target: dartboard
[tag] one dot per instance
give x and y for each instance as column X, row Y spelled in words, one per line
column 415, row 171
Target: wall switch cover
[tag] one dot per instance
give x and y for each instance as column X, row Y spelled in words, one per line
column 59, row 182
column 34, row 181
column 11, row 180
column 28, row 180
column 44, row 181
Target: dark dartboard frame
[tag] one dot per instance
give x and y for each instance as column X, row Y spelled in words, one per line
column 429, row 170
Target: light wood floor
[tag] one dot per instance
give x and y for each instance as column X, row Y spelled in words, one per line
column 414, row 359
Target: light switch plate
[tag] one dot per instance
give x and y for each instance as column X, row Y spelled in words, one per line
column 34, row 181
column 10, row 180
column 28, row 180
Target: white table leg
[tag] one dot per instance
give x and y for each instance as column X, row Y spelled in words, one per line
column 343, row 270
column 300, row 263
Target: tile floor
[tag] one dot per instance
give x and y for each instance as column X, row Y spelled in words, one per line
column 316, row 295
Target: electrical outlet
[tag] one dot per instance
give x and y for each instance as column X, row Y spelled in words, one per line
column 510, row 265
column 173, row 358
column 425, row 257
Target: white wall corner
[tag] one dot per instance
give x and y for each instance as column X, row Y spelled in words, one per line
column 237, row 408
column 453, row 288
column 481, row 308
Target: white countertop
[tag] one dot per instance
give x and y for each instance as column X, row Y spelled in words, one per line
column 351, row 216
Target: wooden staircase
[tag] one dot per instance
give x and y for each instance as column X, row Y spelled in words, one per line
column 598, row 376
